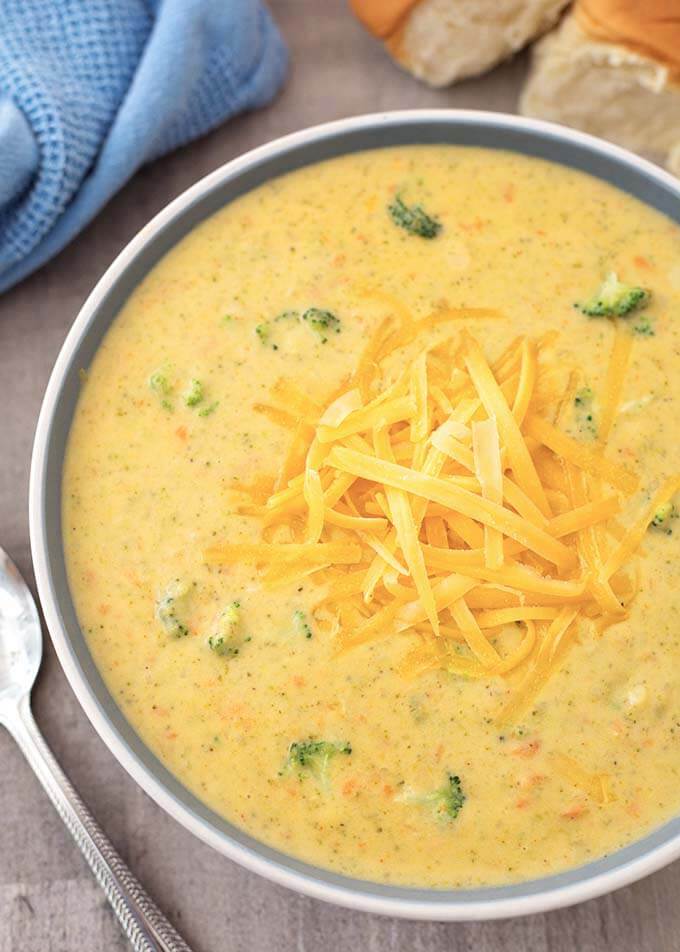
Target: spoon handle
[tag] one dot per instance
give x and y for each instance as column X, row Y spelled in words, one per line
column 142, row 921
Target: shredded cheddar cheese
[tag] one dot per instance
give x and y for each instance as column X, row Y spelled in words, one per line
column 446, row 504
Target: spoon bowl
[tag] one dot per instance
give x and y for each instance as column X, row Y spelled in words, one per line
column 20, row 635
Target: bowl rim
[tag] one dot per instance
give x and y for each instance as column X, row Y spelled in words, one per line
column 519, row 899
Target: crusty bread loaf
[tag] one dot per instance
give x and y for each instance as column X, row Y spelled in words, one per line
column 441, row 41
column 612, row 68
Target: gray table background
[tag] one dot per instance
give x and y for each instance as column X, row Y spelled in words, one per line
column 48, row 899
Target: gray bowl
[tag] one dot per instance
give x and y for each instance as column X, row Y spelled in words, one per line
column 630, row 173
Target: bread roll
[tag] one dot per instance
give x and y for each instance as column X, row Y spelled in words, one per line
column 612, row 68
column 441, row 41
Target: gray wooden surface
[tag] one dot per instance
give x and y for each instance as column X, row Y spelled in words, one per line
column 48, row 901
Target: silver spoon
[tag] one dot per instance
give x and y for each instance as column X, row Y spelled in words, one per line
column 20, row 652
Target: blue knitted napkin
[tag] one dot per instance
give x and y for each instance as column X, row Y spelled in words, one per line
column 90, row 90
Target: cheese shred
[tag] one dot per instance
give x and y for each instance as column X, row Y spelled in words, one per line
column 442, row 504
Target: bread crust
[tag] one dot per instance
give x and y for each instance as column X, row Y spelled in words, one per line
column 382, row 18
column 442, row 41
column 610, row 89
column 650, row 28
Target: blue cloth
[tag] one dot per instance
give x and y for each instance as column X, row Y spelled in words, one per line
column 90, row 90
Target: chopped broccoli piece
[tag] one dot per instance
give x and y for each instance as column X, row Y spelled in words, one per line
column 312, row 758
column 302, row 626
column 663, row 517
column 206, row 411
column 264, row 332
column 221, row 647
column 161, row 386
column 227, row 641
column 418, row 710
column 643, row 327
column 194, row 393
column 321, row 322
column 413, row 219
column 615, row 299
column 171, row 601
column 159, row 383
column 450, row 798
column 447, row 801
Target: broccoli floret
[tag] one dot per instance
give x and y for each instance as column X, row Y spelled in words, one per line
column 302, row 626
column 643, row 327
column 172, row 601
column 194, row 393
column 223, row 647
column 312, row 758
column 206, row 411
column 450, row 798
column 663, row 517
column 161, row 386
column 227, row 641
column 413, row 219
column 321, row 322
column 447, row 801
column 615, row 299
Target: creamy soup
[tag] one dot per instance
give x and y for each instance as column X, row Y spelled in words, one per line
column 500, row 700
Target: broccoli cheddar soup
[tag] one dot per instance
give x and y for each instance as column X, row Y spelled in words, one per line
column 369, row 516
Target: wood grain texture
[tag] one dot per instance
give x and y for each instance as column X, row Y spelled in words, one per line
column 48, row 900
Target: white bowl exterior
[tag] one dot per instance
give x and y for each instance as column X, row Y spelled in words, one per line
column 355, row 895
